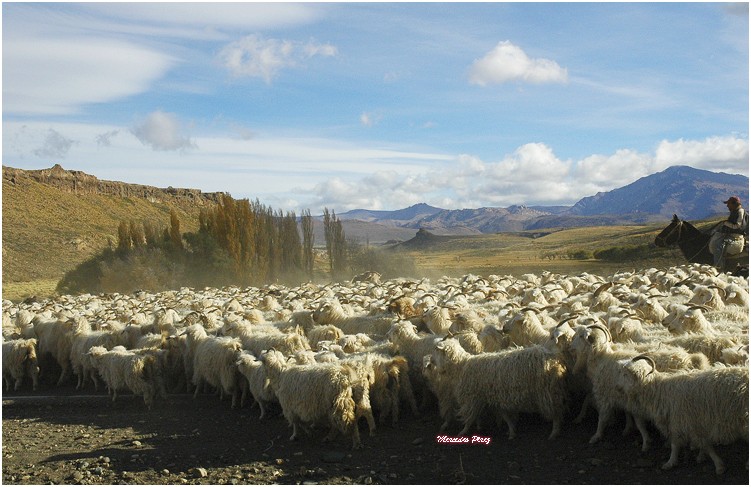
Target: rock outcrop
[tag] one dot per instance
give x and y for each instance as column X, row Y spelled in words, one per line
column 79, row 182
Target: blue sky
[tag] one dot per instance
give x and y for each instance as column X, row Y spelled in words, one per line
column 377, row 105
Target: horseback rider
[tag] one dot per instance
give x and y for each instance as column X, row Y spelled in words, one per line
column 729, row 238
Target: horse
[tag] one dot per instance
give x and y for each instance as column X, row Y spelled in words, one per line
column 694, row 243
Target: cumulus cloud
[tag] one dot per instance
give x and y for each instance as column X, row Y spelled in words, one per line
column 724, row 154
column 508, row 62
column 55, row 146
column 162, row 132
column 256, row 57
column 531, row 175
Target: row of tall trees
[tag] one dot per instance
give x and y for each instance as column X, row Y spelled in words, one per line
column 238, row 242
column 262, row 245
column 252, row 241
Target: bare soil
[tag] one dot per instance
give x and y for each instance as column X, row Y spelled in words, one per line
column 61, row 436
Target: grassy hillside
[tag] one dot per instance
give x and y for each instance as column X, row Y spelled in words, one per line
column 47, row 231
column 551, row 250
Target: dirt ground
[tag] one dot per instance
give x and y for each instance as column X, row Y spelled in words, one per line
column 60, row 436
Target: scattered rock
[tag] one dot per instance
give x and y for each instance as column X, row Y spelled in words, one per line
column 165, row 472
column 333, row 456
column 77, row 476
column 418, row 441
column 137, row 443
column 595, row 461
column 199, row 472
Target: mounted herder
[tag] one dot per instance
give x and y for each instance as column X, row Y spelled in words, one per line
column 725, row 246
column 732, row 235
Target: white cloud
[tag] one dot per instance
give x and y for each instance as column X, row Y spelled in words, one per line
column 60, row 75
column 162, row 131
column 508, row 62
column 256, row 57
column 724, row 154
column 56, row 146
column 318, row 173
column 240, row 15
column 617, row 169
column 370, row 119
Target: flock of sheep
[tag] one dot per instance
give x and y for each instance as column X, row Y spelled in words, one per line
column 664, row 346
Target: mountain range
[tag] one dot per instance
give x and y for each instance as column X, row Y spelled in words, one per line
column 691, row 193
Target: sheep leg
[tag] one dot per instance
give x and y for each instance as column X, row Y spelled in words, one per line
column 63, row 375
column 356, row 443
column 629, row 425
column 585, row 407
column 294, row 431
column 470, row 416
column 94, row 380
column 719, row 465
column 675, row 450
column 602, row 421
column 198, row 388
column 510, row 420
column 368, row 413
column 641, row 425
column 556, row 429
column 263, row 409
column 406, row 391
column 19, row 382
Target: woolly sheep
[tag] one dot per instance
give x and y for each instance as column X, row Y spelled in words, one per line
column 214, row 364
column 20, row 361
column 310, row 394
column 126, row 370
column 525, row 380
column 258, row 383
column 701, row 409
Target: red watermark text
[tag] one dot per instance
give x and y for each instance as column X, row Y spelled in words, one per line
column 468, row 440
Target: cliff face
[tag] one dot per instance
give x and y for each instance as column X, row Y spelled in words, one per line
column 78, row 182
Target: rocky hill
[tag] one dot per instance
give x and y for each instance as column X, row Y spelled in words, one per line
column 78, row 182
column 54, row 219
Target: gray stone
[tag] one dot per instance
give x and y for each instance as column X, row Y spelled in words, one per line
column 333, row 456
column 200, row 472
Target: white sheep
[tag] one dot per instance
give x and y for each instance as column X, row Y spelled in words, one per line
column 214, row 363
column 319, row 333
column 310, row 394
column 332, row 313
column 258, row 383
column 437, row 319
column 20, row 361
column 81, row 342
column 701, row 409
column 523, row 380
column 125, row 370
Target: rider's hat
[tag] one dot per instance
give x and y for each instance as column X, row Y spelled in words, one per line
column 733, row 199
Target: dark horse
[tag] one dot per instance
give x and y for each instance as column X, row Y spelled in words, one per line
column 694, row 243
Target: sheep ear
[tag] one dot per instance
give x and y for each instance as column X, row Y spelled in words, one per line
column 590, row 338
